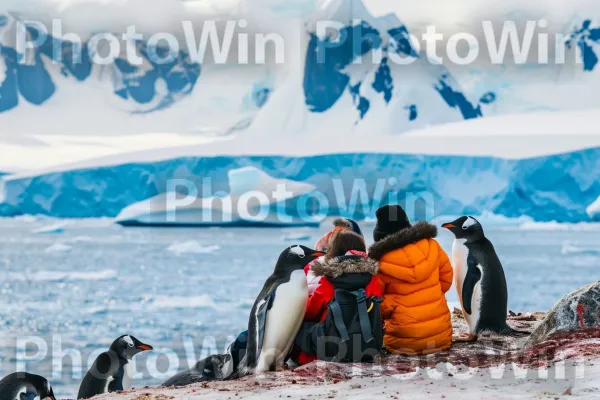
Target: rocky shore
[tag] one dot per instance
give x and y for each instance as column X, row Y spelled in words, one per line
column 565, row 363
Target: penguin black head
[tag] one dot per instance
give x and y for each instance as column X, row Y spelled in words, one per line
column 39, row 383
column 296, row 257
column 44, row 388
column 465, row 227
column 127, row 346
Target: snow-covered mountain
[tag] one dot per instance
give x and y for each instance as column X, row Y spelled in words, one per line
column 337, row 96
column 347, row 85
column 40, row 95
column 35, row 81
column 345, row 118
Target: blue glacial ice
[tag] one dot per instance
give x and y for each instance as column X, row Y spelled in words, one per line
column 547, row 188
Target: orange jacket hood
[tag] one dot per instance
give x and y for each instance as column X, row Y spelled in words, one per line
column 405, row 255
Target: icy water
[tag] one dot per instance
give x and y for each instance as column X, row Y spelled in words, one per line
column 188, row 291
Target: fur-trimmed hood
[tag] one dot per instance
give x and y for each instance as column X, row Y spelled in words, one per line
column 339, row 266
column 419, row 231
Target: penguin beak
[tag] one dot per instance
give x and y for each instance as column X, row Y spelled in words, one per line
column 317, row 254
column 145, row 347
column 449, row 226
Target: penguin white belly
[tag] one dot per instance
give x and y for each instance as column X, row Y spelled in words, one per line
column 460, row 253
column 283, row 321
column 127, row 376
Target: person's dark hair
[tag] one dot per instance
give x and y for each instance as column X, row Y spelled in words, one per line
column 344, row 241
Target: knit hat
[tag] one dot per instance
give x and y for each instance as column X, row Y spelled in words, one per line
column 339, row 224
column 390, row 219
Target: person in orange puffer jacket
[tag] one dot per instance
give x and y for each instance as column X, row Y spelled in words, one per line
column 415, row 273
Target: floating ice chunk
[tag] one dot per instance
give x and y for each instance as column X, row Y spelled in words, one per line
column 52, row 229
column 192, row 247
column 290, row 236
column 58, row 248
column 81, row 239
column 569, row 248
column 203, row 301
column 558, row 226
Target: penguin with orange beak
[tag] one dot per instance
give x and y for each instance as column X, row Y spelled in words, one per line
column 111, row 370
column 480, row 280
column 277, row 313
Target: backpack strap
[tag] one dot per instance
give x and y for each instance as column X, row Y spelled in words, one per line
column 363, row 315
column 338, row 320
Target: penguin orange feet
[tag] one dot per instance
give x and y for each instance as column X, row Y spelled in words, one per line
column 466, row 337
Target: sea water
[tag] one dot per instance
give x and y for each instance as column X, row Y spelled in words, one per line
column 67, row 293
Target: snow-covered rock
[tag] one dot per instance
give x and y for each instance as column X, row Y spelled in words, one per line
column 254, row 199
column 578, row 310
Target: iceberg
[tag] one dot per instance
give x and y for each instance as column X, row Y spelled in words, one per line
column 254, row 199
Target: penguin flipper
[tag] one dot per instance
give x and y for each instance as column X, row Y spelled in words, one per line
column 261, row 317
column 473, row 276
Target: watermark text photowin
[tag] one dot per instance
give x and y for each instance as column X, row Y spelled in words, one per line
column 506, row 43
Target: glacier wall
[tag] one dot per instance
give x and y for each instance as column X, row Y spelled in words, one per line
column 550, row 188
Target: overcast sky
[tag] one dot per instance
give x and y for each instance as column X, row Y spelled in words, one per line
column 161, row 15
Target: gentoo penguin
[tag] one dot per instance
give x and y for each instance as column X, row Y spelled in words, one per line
column 24, row 386
column 110, row 370
column 479, row 278
column 277, row 313
column 216, row 367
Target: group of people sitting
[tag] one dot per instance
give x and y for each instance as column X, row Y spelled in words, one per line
column 405, row 273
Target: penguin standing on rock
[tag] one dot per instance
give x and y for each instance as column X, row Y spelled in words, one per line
column 24, row 386
column 110, row 371
column 277, row 313
column 480, row 280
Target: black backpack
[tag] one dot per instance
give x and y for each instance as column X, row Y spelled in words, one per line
column 353, row 329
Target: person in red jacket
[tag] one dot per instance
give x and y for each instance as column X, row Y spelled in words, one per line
column 345, row 266
column 324, row 243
